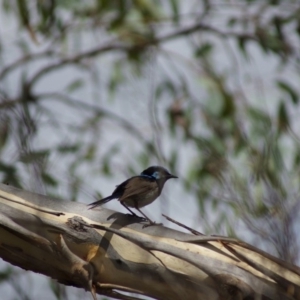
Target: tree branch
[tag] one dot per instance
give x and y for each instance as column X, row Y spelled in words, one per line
column 101, row 251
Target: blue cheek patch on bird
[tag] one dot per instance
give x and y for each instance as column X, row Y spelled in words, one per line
column 156, row 175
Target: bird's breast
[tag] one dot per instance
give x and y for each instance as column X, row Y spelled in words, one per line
column 142, row 199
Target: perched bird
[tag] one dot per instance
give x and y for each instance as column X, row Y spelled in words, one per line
column 139, row 191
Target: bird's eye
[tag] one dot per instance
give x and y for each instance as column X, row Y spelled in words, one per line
column 155, row 175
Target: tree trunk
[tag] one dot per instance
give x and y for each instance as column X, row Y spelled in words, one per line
column 105, row 252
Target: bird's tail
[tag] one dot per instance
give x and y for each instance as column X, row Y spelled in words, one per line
column 100, row 202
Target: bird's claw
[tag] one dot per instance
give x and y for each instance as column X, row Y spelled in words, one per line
column 152, row 224
column 138, row 217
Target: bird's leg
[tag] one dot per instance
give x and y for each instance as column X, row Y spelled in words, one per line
column 147, row 218
column 128, row 208
column 132, row 213
column 151, row 222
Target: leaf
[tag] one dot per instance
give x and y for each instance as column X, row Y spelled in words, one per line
column 49, row 179
column 75, row 85
column 282, row 118
column 143, row 159
column 106, row 170
column 4, row 131
column 297, row 157
column 228, row 104
column 165, row 86
column 201, row 203
column 289, row 90
column 23, row 46
column 30, row 157
column 259, row 118
column 90, row 152
column 106, row 160
column 278, row 24
column 175, row 10
column 6, row 274
column 23, row 12
column 10, row 175
column 277, row 158
column 71, row 148
column 298, row 27
column 204, row 50
column 232, row 21
column 242, row 44
column 173, row 160
column 117, row 77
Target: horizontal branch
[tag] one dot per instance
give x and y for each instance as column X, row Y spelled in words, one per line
column 102, row 251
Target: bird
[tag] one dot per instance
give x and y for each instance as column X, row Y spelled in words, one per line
column 139, row 191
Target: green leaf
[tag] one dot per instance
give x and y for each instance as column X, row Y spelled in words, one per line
column 23, row 12
column 143, row 159
column 297, row 157
column 71, row 148
column 4, row 131
column 33, row 156
column 175, row 10
column 204, row 50
column 90, row 152
column 106, row 160
column 49, row 179
column 106, row 170
column 282, row 118
column 232, row 21
column 10, row 175
column 75, row 85
column 259, row 119
column 285, row 87
column 166, row 86
column 298, row 27
column 242, row 45
column 117, row 77
column 228, row 108
column 173, row 160
column 6, row 274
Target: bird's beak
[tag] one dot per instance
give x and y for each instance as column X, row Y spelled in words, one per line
column 172, row 176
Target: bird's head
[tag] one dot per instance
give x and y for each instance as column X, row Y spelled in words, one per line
column 158, row 173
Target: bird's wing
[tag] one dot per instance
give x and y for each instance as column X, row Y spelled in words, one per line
column 138, row 186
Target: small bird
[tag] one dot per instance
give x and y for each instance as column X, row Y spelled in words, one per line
column 139, row 191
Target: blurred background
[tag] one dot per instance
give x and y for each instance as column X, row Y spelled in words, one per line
column 93, row 92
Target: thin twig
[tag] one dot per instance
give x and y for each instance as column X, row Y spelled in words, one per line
column 26, row 59
column 193, row 231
